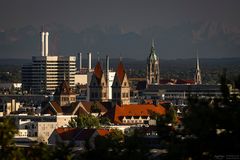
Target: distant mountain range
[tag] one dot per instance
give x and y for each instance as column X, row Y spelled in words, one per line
column 212, row 39
column 165, row 65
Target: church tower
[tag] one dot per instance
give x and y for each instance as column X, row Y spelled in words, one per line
column 120, row 86
column 153, row 72
column 198, row 78
column 64, row 95
column 98, row 85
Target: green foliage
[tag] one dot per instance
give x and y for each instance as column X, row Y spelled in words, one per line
column 117, row 146
column 85, row 121
column 37, row 152
column 64, row 151
column 95, row 108
column 170, row 117
column 104, row 121
column 211, row 128
column 7, row 132
column 11, row 75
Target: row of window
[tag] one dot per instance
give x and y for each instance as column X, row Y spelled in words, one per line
column 97, row 95
column 117, row 95
column 133, row 121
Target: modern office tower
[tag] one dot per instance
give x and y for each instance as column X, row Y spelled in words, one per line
column 45, row 73
column 153, row 72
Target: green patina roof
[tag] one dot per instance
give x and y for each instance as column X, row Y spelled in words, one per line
column 153, row 55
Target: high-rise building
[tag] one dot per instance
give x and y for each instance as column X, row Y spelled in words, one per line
column 153, row 72
column 120, row 86
column 45, row 73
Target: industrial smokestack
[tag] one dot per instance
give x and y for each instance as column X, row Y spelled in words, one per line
column 46, row 43
column 89, row 61
column 79, row 62
column 42, row 43
column 107, row 66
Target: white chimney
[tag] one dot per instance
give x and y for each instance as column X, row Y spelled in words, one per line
column 42, row 43
column 89, row 61
column 46, row 43
column 107, row 66
column 80, row 61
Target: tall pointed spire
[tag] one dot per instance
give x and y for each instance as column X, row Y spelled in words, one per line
column 98, row 57
column 153, row 73
column 198, row 78
column 198, row 68
column 152, row 43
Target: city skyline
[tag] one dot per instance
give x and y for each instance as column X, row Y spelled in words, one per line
column 121, row 28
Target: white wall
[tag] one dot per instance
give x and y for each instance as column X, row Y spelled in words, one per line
column 81, row 79
column 110, row 79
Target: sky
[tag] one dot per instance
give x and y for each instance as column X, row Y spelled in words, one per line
column 130, row 15
column 133, row 15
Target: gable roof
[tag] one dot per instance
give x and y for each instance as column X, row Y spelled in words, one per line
column 68, row 134
column 98, row 71
column 63, row 89
column 120, row 72
column 87, row 106
column 54, row 108
column 136, row 110
column 85, row 134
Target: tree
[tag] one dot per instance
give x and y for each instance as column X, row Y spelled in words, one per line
column 7, row 132
column 104, row 121
column 109, row 146
column 211, row 128
column 95, row 108
column 135, row 147
column 64, row 151
column 84, row 121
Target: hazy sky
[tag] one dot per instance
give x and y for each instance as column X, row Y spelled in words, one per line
column 132, row 15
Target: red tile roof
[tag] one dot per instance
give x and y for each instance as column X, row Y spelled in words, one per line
column 67, row 133
column 185, row 81
column 136, row 110
column 120, row 72
column 102, row 132
column 98, row 71
column 87, row 106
